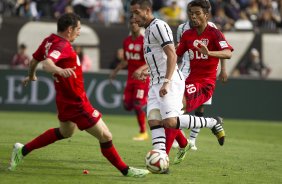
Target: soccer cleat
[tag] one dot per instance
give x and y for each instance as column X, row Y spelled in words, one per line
column 138, row 173
column 141, row 137
column 16, row 157
column 180, row 155
column 193, row 145
column 218, row 130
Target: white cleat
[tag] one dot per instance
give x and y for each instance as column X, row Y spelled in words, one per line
column 16, row 157
column 193, row 145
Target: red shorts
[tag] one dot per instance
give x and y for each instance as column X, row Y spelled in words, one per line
column 197, row 93
column 135, row 95
column 83, row 115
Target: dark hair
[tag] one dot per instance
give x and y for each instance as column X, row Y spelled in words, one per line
column 66, row 20
column 142, row 3
column 204, row 4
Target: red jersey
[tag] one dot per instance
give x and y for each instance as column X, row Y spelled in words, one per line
column 70, row 91
column 134, row 55
column 202, row 66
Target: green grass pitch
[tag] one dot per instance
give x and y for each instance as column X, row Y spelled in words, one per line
column 251, row 154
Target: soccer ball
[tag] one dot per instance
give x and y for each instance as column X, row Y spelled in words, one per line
column 157, row 161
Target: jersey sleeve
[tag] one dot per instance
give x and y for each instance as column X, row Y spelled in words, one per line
column 221, row 42
column 38, row 55
column 179, row 33
column 181, row 49
column 124, row 49
column 163, row 34
column 56, row 52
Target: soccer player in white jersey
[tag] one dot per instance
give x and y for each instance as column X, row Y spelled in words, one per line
column 166, row 81
column 185, row 69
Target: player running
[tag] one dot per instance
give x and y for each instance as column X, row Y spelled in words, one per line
column 185, row 69
column 136, row 92
column 205, row 46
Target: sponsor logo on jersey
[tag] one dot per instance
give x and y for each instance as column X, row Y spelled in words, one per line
column 197, row 55
column 132, row 56
column 203, row 41
column 223, row 44
column 95, row 114
column 131, row 46
column 147, row 50
column 55, row 54
column 137, row 47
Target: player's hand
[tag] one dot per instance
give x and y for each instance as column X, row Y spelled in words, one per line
column 142, row 76
column 202, row 48
column 112, row 77
column 29, row 78
column 67, row 72
column 137, row 74
column 223, row 76
column 164, row 89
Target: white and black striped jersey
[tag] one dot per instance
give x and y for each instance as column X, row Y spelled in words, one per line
column 157, row 35
column 185, row 65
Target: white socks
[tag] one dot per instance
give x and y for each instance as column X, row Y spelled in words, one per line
column 194, row 133
column 158, row 138
column 188, row 121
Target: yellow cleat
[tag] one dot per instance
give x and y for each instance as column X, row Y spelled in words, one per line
column 141, row 137
column 218, row 131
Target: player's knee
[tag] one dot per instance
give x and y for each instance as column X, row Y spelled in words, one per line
column 67, row 134
column 169, row 122
column 106, row 136
column 127, row 107
column 154, row 114
column 139, row 106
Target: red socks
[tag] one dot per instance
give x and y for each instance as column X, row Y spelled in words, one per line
column 141, row 118
column 109, row 151
column 172, row 134
column 48, row 137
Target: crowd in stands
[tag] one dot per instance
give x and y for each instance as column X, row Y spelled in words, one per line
column 228, row 15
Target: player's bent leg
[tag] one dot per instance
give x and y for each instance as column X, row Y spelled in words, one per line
column 100, row 131
column 48, row 137
column 103, row 134
column 141, row 119
column 67, row 129
column 157, row 130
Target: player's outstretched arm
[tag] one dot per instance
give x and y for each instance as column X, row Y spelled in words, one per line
column 222, row 54
column 223, row 74
column 31, row 73
column 121, row 65
column 141, row 72
column 49, row 66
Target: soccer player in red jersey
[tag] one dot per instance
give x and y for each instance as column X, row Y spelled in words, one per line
column 205, row 45
column 74, row 109
column 136, row 91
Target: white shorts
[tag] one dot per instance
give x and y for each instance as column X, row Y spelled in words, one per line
column 209, row 102
column 171, row 104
